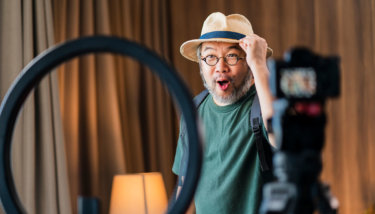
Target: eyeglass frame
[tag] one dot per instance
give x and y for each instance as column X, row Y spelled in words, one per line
column 224, row 57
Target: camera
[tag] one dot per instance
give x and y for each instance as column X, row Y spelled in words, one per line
column 301, row 82
column 303, row 75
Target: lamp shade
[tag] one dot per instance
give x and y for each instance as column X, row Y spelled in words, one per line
column 138, row 193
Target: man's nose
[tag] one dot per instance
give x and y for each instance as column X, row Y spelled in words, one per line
column 222, row 66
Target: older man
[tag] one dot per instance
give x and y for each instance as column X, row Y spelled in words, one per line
column 232, row 61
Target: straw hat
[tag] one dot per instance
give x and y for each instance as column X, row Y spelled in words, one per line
column 219, row 28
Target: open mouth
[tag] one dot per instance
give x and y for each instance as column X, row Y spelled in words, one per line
column 224, row 84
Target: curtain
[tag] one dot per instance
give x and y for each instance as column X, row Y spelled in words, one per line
column 38, row 153
column 118, row 117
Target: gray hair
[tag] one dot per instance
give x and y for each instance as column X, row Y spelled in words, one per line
column 199, row 49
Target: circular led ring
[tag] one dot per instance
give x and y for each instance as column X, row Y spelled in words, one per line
column 32, row 74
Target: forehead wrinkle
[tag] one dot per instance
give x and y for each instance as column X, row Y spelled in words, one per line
column 208, row 48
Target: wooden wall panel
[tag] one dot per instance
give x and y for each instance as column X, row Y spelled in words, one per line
column 336, row 27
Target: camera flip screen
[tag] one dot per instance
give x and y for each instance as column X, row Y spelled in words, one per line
column 298, row 82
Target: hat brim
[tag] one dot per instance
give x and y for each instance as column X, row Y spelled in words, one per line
column 189, row 48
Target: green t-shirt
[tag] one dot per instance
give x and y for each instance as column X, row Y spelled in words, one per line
column 230, row 180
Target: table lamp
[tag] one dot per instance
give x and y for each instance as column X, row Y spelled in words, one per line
column 138, row 193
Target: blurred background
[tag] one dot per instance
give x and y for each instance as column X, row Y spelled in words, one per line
column 101, row 115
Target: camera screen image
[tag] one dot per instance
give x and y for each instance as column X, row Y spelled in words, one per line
column 298, row 82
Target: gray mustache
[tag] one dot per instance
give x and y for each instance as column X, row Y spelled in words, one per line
column 230, row 79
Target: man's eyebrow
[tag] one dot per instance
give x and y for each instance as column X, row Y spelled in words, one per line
column 234, row 47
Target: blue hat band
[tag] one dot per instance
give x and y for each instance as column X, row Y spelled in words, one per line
column 222, row 34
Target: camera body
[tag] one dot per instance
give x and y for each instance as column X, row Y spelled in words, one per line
column 301, row 83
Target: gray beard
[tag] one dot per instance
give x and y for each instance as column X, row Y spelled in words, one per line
column 237, row 93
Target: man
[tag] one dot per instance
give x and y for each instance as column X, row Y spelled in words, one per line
column 232, row 61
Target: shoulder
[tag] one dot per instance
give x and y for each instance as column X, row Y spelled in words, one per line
column 200, row 98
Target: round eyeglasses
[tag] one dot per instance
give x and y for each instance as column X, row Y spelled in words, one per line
column 230, row 59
